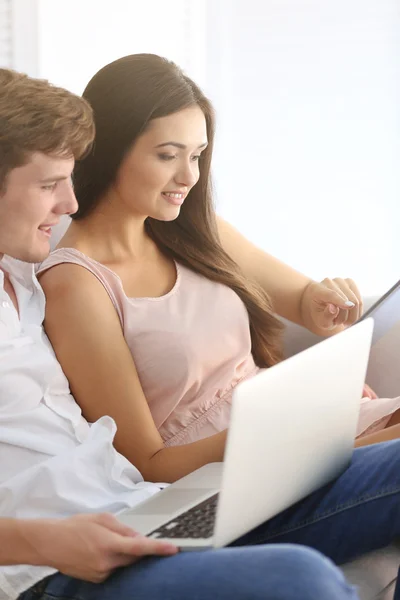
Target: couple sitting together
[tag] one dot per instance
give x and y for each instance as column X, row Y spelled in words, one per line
column 154, row 310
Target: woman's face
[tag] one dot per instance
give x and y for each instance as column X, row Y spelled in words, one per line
column 163, row 165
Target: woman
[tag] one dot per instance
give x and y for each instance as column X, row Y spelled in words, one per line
column 156, row 308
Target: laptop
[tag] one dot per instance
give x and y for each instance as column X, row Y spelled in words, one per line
column 292, row 431
column 385, row 311
column 383, row 373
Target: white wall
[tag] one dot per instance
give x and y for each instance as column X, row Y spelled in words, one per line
column 5, row 33
column 78, row 37
column 308, row 100
column 309, row 163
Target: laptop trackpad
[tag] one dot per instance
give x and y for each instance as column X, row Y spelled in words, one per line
column 171, row 500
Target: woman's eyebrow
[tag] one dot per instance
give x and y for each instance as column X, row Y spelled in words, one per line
column 180, row 146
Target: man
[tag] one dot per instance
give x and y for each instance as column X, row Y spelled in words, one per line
column 88, row 547
column 53, row 464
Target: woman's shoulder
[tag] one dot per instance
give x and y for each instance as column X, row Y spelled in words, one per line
column 69, row 275
column 69, row 267
column 65, row 255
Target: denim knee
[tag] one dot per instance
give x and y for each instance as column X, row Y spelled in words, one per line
column 313, row 577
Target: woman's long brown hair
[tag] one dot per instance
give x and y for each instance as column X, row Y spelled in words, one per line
column 125, row 96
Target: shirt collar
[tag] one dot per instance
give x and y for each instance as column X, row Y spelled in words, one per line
column 22, row 271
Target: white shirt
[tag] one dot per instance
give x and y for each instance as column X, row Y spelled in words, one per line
column 52, row 462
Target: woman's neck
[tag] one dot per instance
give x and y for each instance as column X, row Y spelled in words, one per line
column 114, row 237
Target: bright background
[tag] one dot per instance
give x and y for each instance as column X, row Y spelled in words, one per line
column 307, row 94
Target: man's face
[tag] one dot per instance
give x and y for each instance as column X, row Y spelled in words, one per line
column 36, row 196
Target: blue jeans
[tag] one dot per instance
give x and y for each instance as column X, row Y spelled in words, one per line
column 358, row 512
column 275, row 572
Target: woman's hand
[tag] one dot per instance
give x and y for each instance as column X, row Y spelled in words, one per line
column 330, row 306
column 369, row 392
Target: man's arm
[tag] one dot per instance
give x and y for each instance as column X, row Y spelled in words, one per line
column 87, row 547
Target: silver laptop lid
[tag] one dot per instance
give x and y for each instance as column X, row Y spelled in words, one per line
column 292, row 430
column 383, row 373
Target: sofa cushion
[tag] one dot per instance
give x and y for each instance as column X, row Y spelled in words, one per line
column 375, row 573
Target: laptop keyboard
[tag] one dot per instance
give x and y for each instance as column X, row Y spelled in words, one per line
column 197, row 522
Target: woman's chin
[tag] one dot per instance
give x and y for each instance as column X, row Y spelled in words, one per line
column 168, row 215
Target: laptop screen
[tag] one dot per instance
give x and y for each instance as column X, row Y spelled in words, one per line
column 383, row 373
column 385, row 312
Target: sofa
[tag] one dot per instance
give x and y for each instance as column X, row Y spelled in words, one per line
column 374, row 573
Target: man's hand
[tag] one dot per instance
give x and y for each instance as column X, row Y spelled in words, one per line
column 88, row 547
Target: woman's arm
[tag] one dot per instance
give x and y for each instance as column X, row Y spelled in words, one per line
column 294, row 296
column 284, row 285
column 88, row 547
column 86, row 334
column 384, row 435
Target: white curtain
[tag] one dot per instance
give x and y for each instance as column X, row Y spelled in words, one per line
column 5, row 34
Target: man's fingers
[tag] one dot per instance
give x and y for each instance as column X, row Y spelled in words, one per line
column 111, row 523
column 144, row 546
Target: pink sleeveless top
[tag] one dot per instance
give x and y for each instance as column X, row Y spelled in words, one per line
column 191, row 347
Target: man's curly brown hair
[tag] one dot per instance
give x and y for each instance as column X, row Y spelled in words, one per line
column 36, row 116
